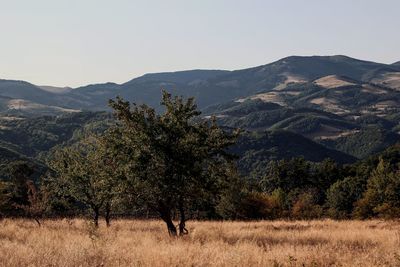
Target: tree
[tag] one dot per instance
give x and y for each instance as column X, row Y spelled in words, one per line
column 287, row 175
column 382, row 196
column 342, row 195
column 171, row 160
column 87, row 173
column 20, row 175
column 37, row 202
column 324, row 174
column 306, row 207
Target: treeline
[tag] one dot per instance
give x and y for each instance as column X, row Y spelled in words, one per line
column 173, row 166
column 297, row 189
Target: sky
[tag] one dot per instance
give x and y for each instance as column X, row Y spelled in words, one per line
column 79, row 42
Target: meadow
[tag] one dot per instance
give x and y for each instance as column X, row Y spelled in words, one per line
column 146, row 243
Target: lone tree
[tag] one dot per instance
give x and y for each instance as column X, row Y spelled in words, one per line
column 88, row 174
column 170, row 160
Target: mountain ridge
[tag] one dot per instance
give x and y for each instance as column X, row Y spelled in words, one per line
column 210, row 87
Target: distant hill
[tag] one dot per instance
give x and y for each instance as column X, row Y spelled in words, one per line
column 8, row 155
column 32, row 136
column 211, row 87
column 190, row 77
column 26, row 99
column 259, row 115
column 368, row 141
column 337, row 112
column 257, row 148
column 26, row 91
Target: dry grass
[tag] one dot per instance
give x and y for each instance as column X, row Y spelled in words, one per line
column 332, row 81
column 146, row 243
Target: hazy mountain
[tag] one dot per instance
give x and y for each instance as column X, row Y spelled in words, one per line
column 25, row 99
column 190, row 77
column 26, row 91
column 211, row 87
column 208, row 86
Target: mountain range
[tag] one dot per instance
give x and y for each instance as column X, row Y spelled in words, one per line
column 216, row 86
column 347, row 108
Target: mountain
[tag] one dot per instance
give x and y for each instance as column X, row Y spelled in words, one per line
column 334, row 110
column 212, row 87
column 147, row 89
column 396, row 63
column 339, row 102
column 208, row 86
column 359, row 137
column 26, row 91
column 19, row 98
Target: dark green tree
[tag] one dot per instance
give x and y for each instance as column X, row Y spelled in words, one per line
column 342, row 195
column 87, row 173
column 382, row 196
column 20, row 173
column 287, row 175
column 170, row 160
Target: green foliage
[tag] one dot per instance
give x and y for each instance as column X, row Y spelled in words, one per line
column 33, row 136
column 171, row 162
column 256, row 149
column 86, row 172
column 342, row 195
column 366, row 142
column 382, row 196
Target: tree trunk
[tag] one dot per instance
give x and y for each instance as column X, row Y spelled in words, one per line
column 182, row 226
column 96, row 216
column 165, row 214
column 171, row 227
column 108, row 214
column 37, row 221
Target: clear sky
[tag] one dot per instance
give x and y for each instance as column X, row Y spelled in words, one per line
column 77, row 42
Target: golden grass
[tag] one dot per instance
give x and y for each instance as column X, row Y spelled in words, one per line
column 146, row 243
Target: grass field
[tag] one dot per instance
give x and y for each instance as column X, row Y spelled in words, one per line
column 146, row 243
